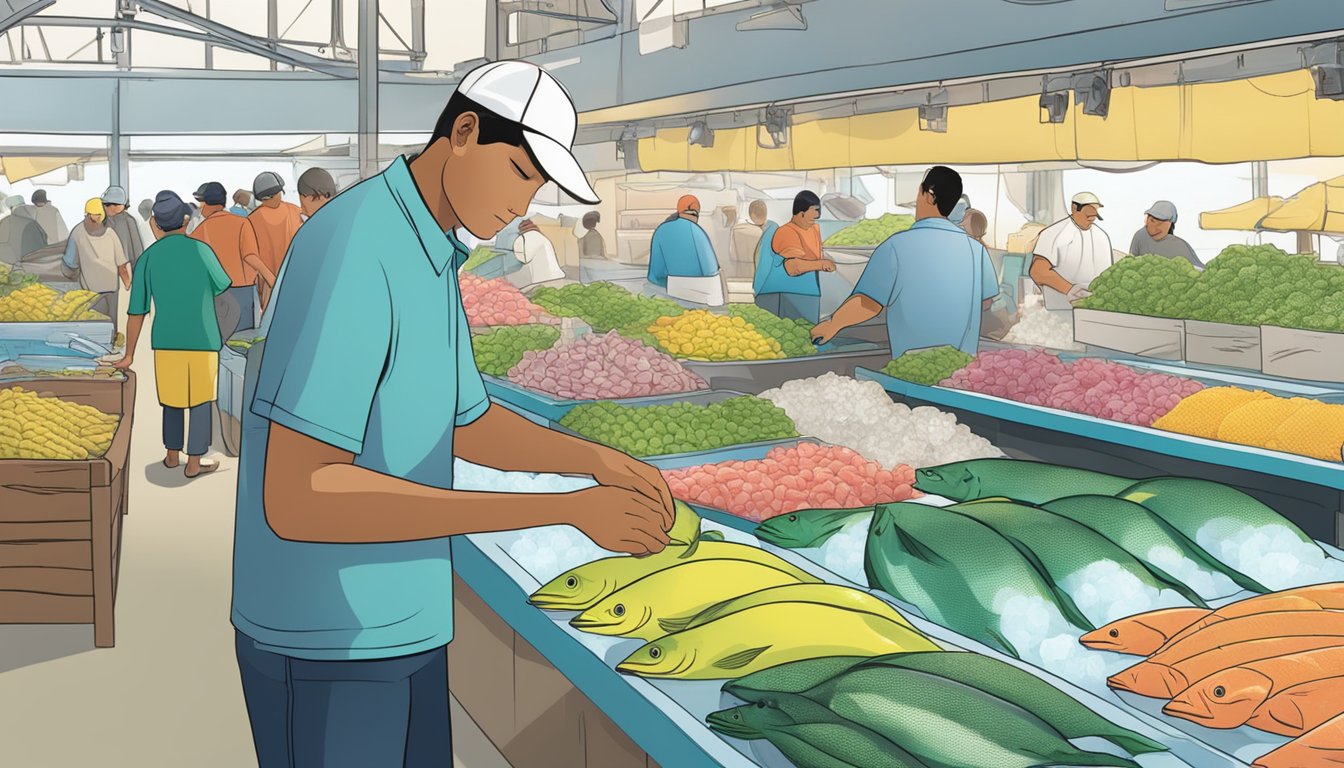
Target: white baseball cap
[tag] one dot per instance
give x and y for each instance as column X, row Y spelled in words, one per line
column 528, row 95
column 1087, row 198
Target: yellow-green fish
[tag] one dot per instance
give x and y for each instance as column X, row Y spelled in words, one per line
column 580, row 588
column 639, row 609
column 823, row 594
column 767, row 635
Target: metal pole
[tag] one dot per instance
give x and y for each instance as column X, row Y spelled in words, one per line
column 1260, row 179
column 368, row 88
column 117, row 165
column 209, row 49
column 418, row 34
column 272, row 25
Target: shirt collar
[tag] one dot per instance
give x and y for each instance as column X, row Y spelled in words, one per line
column 442, row 248
column 937, row 223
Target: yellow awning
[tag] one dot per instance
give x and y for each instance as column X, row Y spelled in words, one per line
column 1274, row 117
column 19, row 168
column 1244, row 217
column 1318, row 208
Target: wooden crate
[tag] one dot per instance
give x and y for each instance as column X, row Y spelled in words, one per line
column 60, row 522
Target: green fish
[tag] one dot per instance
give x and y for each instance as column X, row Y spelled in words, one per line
column 808, row 528
column 810, row 735
column 1190, row 505
column 1148, row 537
column 1031, row 482
column 956, row 570
column 949, row 724
column 996, row 678
column 1063, row 546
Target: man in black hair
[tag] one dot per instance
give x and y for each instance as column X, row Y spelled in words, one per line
column 933, row 279
column 791, row 288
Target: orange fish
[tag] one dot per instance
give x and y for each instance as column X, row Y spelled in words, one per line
column 1162, row 681
column 1229, row 698
column 1318, row 597
column 1301, row 708
column 1322, row 746
column 1143, row 633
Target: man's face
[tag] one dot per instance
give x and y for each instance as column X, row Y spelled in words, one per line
column 1085, row 217
column 811, row 215
column 93, row 223
column 113, row 209
column 487, row 185
column 1157, row 228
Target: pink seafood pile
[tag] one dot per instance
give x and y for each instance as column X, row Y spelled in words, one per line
column 497, row 302
column 807, row 476
column 1098, row 388
column 604, row 366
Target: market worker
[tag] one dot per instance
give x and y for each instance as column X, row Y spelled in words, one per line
column 242, row 202
column 746, row 238
column 180, row 277
column 790, row 287
column 94, row 252
column 367, row 390
column 46, row 215
column 1070, row 254
column 1158, row 236
column 536, row 254
column 933, row 280
column 591, row 245
column 316, row 188
column 275, row 222
column 682, row 263
column 234, row 243
column 20, row 235
column 123, row 222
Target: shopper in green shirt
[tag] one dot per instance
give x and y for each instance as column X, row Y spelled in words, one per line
column 181, row 278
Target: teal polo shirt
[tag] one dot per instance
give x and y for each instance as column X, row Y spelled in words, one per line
column 368, row 350
column 181, row 278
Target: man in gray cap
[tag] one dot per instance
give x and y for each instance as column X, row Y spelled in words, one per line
column 122, row 222
column 1158, row 236
column 20, row 235
column 316, row 188
column 275, row 223
column 46, row 215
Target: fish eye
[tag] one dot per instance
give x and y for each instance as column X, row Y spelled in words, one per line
column 737, row 716
column 1115, row 633
column 793, row 518
column 655, row 652
column 619, row 610
column 1219, row 691
column 760, row 704
column 571, row 582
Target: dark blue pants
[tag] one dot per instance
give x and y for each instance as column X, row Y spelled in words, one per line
column 791, row 306
column 386, row 713
column 198, row 439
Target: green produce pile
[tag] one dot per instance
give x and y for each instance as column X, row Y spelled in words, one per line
column 1243, row 285
column 659, row 430
column 12, row 279
column 501, row 349
column 479, row 256
column 871, row 231
column 604, row 306
column 242, row 345
column 795, row 336
column 930, row 366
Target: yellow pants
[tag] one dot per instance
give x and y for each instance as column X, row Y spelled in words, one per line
column 185, row 378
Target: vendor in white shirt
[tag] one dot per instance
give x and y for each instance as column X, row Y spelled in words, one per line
column 1070, row 254
column 534, row 251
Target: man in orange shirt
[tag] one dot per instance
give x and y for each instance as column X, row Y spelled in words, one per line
column 791, row 288
column 234, row 242
column 275, row 222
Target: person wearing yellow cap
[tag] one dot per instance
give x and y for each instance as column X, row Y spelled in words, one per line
column 94, row 252
column 1070, row 253
column 682, row 263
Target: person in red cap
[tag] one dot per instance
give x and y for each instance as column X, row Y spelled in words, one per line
column 682, row 263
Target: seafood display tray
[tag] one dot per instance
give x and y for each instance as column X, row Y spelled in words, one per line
column 665, row 718
column 842, row 356
column 554, row 409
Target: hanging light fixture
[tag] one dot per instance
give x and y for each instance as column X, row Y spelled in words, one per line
column 701, row 134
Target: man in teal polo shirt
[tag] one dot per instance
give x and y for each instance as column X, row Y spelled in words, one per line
column 933, row 279
column 367, row 389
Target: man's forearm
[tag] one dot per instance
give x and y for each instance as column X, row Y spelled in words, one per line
column 857, row 309
column 1044, row 275
column 256, row 263
column 134, row 324
column 503, row 440
column 801, row 266
column 332, row 505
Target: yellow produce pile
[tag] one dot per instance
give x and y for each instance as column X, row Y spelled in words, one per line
column 37, row 427
column 702, row 335
column 1293, row 425
column 38, row 303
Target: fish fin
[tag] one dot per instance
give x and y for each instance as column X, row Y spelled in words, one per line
column 1176, row 585
column 1202, row 555
column 990, row 499
column 1002, row 641
column 1134, row 743
column 712, row 536
column 1081, row 757
column 675, row 625
column 1066, row 605
column 690, row 549
column 917, row 548
column 741, row 658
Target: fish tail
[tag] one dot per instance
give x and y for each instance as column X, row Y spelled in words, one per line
column 1002, row 642
column 1180, row 587
column 1202, row 556
column 1078, row 757
column 1133, row 743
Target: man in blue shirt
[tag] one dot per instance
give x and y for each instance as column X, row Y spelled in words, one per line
column 367, row 390
column 933, row 280
column 682, row 263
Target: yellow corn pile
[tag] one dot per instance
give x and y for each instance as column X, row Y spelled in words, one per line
column 37, row 427
column 38, row 303
column 1293, row 425
column 701, row 335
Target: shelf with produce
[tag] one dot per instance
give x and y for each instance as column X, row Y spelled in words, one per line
column 1307, row 491
column 503, row 391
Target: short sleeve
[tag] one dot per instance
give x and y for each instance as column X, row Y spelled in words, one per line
column 118, row 253
column 520, row 249
column 327, row 345
column 472, row 400
column 71, row 256
column 879, row 278
column 704, row 251
column 784, row 240
column 1047, row 243
column 139, row 304
column 989, row 280
column 1134, row 246
column 219, row 279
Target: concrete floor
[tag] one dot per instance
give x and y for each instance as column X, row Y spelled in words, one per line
column 168, row 693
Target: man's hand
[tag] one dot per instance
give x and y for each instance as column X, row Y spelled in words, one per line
column 1077, row 293
column 124, row 363
column 824, row 331
column 618, row 470
column 825, row 265
column 618, row 519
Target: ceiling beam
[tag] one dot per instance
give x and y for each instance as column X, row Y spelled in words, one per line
column 14, row 11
